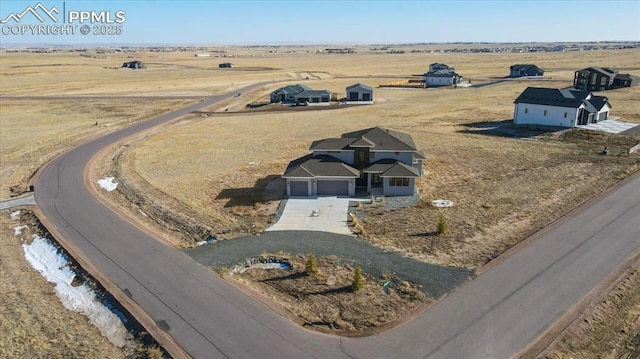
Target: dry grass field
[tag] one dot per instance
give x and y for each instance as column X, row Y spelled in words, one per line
column 215, row 169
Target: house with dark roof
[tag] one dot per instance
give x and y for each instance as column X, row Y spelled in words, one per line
column 133, row 65
column 359, row 94
column 594, row 79
column 225, row 65
column 441, row 75
column 301, row 95
column 566, row 107
column 622, row 80
column 525, row 70
column 375, row 160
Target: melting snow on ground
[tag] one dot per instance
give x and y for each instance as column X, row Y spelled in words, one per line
column 108, row 184
column 17, row 230
column 15, row 215
column 44, row 257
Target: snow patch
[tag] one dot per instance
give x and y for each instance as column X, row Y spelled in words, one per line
column 15, row 215
column 108, row 184
column 17, row 230
column 44, row 257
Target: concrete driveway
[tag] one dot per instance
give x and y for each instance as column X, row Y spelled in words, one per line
column 300, row 215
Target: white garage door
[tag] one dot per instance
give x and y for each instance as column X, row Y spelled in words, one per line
column 299, row 188
column 333, row 188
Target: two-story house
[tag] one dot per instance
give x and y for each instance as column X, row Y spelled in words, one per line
column 441, row 75
column 594, row 79
column 373, row 160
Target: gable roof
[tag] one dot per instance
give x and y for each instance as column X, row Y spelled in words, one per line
column 567, row 97
column 330, row 144
column 392, row 168
column 292, row 89
column 624, row 77
column 599, row 101
column 552, row 97
column 376, row 138
column 360, row 85
column 384, row 139
column 311, row 166
column 442, row 73
column 603, row 70
column 525, row 66
column 313, row 93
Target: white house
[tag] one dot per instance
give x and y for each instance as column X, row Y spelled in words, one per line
column 376, row 158
column 441, row 75
column 559, row 107
column 359, row 94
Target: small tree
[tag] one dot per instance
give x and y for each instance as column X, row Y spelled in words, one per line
column 358, row 281
column 311, row 267
column 442, row 226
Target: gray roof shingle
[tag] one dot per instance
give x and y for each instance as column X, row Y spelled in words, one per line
column 311, row 166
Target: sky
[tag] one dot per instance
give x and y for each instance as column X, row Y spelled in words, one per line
column 191, row 22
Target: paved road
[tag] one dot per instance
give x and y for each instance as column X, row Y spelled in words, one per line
column 493, row 316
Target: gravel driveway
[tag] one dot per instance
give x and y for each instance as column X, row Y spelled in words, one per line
column 435, row 280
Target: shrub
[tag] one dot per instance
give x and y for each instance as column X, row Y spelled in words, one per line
column 358, row 281
column 311, row 267
column 442, row 226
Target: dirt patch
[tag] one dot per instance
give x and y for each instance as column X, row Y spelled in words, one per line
column 326, row 302
column 610, row 329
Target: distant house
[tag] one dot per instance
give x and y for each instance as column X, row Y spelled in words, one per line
column 359, row 94
column 441, row 75
column 225, row 65
column 622, row 80
column 375, row 160
column 566, row 107
column 525, row 70
column 134, row 65
column 594, row 79
column 202, row 55
column 301, row 95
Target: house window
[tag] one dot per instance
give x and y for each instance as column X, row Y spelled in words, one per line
column 398, row 182
column 397, row 153
column 545, row 112
column 565, row 115
column 526, row 110
column 333, row 151
column 372, row 155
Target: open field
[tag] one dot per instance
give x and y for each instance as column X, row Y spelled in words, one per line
column 215, row 170
column 33, row 132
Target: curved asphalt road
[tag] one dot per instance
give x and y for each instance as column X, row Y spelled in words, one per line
column 494, row 316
